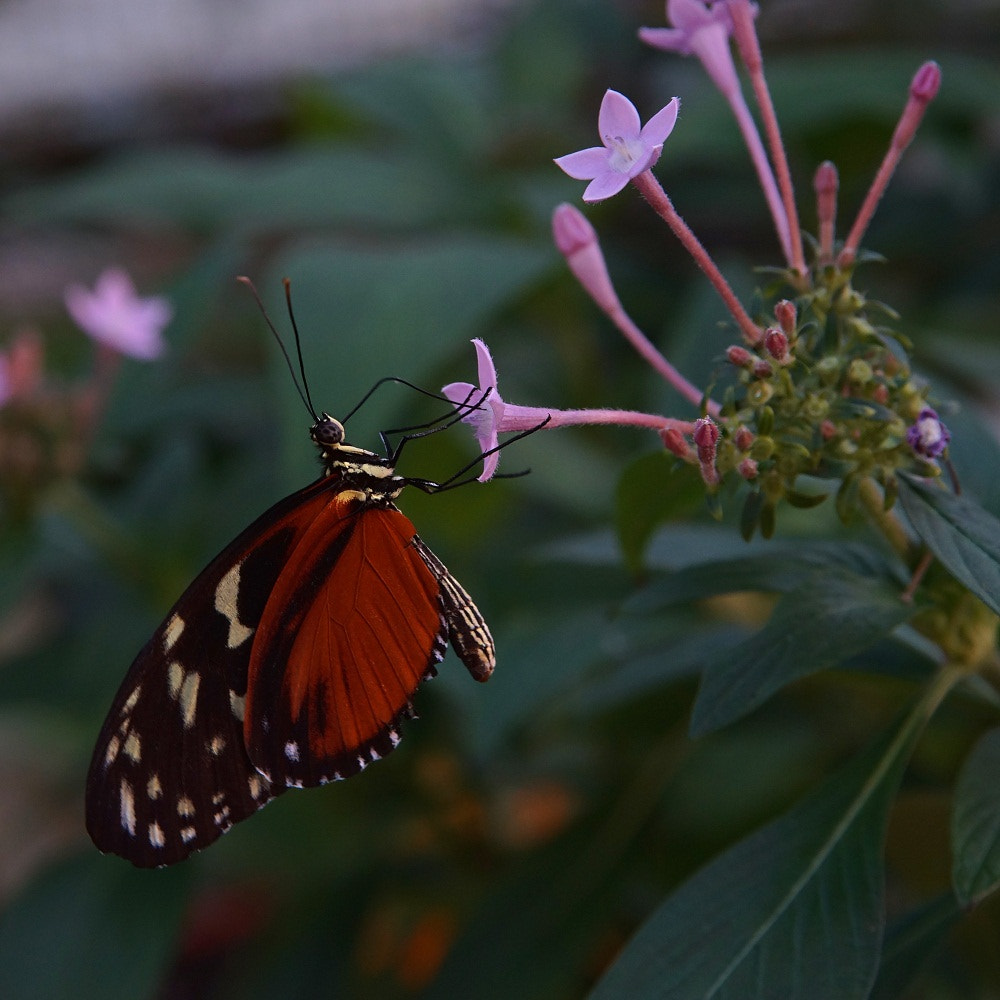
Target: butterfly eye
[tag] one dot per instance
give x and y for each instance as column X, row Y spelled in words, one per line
column 327, row 431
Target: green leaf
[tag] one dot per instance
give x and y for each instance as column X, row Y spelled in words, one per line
column 793, row 911
column 95, row 929
column 652, row 490
column 959, row 532
column 827, row 619
column 975, row 822
column 910, row 944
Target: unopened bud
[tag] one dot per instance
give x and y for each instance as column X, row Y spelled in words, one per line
column 674, row 442
column 738, row 356
column 776, row 343
column 828, row 430
column 786, row 315
column 748, row 468
column 706, row 433
column 762, row 368
column 743, row 438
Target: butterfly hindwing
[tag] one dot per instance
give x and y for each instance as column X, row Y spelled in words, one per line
column 352, row 627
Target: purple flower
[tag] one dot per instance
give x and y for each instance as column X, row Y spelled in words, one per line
column 629, row 149
column 114, row 315
column 928, row 436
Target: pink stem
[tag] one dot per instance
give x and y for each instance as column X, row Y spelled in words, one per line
column 661, row 203
column 923, row 89
column 520, row 418
column 749, row 46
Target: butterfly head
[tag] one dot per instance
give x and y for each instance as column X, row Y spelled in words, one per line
column 327, row 432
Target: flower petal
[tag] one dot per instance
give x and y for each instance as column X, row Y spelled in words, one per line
column 618, row 118
column 656, row 130
column 585, row 164
column 608, row 184
column 667, row 39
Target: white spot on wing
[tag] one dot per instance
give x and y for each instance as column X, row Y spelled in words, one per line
column 256, row 786
column 216, row 745
column 185, row 807
column 156, row 837
column 292, row 751
column 111, row 754
column 226, row 597
column 127, row 802
column 132, row 699
column 153, row 787
column 188, row 833
column 394, row 738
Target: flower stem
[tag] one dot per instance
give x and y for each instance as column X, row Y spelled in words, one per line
column 749, row 46
column 650, row 188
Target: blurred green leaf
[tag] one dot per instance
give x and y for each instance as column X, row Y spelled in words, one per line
column 95, row 923
column 793, row 911
column 975, row 822
column 911, row 943
column 824, row 621
column 959, row 532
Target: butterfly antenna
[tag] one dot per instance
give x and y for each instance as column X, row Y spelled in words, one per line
column 399, row 381
column 287, row 282
column 304, row 396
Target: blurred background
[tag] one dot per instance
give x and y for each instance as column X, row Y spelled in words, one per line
column 393, row 159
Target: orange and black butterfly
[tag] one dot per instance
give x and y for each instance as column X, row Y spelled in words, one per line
column 291, row 660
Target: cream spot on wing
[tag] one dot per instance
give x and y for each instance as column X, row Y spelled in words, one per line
column 256, row 786
column 175, row 678
column 111, row 754
column 188, row 833
column 132, row 748
column 185, row 807
column 226, row 597
column 172, row 632
column 153, row 787
column 216, row 745
column 189, row 697
column 292, row 751
column 127, row 803
column 132, row 699
column 238, row 704
column 156, row 837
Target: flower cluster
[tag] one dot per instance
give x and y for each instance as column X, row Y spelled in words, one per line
column 46, row 425
column 820, row 396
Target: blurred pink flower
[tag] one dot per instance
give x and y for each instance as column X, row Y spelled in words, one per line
column 113, row 314
column 21, row 367
column 629, row 149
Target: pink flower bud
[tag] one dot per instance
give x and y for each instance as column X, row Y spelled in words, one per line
column 743, row 438
column 576, row 239
column 748, row 468
column 786, row 315
column 706, row 434
column 776, row 343
column 828, row 430
column 674, row 442
column 881, row 394
column 739, row 356
column 762, row 369
column 926, row 81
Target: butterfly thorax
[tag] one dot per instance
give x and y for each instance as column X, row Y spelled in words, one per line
column 371, row 476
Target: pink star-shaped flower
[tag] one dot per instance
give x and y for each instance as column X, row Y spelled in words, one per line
column 629, row 147
column 113, row 314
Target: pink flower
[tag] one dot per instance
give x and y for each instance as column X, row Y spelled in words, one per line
column 490, row 416
column 629, row 148
column 699, row 30
column 114, row 315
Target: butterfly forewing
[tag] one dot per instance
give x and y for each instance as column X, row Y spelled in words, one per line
column 170, row 773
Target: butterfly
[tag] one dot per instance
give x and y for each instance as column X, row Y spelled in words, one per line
column 290, row 661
